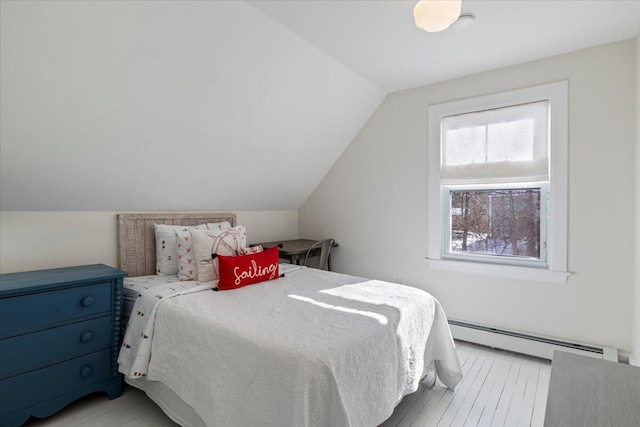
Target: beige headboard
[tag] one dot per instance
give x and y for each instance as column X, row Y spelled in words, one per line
column 136, row 237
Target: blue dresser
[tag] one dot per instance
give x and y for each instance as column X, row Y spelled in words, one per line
column 59, row 339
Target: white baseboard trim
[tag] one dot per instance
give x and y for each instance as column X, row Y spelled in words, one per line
column 534, row 345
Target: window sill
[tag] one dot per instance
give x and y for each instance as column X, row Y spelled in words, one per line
column 494, row 270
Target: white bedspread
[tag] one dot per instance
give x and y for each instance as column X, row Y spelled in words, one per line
column 311, row 349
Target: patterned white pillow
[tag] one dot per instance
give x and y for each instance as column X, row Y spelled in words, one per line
column 187, row 269
column 166, row 248
column 252, row 250
column 223, row 242
column 166, row 256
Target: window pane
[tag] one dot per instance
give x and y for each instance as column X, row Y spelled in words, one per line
column 503, row 223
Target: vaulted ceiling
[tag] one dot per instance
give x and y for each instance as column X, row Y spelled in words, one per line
column 379, row 40
column 231, row 104
column 112, row 106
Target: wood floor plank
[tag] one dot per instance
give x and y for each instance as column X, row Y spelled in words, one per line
column 92, row 407
column 119, row 418
column 148, row 419
column 525, row 413
column 432, row 417
column 107, row 411
column 502, row 409
column 459, row 417
column 498, row 373
column 419, row 415
column 469, row 354
column 540, row 402
column 527, row 379
column 441, row 398
column 489, row 409
column 429, row 396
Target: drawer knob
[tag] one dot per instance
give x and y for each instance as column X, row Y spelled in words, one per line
column 87, row 301
column 87, row 336
column 86, row 371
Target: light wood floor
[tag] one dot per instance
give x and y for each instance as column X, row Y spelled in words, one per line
column 498, row 389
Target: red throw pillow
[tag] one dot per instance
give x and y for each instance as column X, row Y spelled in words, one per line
column 238, row 271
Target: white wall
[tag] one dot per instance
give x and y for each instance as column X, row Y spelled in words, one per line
column 149, row 105
column 159, row 106
column 374, row 202
column 635, row 358
column 36, row 240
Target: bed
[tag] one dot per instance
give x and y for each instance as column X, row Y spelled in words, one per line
column 312, row 348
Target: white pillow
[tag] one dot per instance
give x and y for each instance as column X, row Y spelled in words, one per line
column 252, row 250
column 166, row 251
column 187, row 269
column 186, row 259
column 222, row 242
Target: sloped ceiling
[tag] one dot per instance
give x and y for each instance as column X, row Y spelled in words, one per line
column 187, row 105
column 167, row 106
column 379, row 40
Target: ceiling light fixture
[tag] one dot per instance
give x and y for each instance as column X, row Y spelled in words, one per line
column 436, row 15
column 465, row 21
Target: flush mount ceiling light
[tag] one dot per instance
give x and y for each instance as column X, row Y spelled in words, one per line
column 436, row 15
column 465, row 21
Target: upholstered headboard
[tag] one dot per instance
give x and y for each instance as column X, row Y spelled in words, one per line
column 136, row 237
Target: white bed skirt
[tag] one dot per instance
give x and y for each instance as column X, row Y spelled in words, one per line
column 172, row 405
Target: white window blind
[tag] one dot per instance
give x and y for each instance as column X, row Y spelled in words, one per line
column 498, row 145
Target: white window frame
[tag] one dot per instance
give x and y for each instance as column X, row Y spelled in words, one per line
column 555, row 269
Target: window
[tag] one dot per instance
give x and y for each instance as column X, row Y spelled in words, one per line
column 497, row 184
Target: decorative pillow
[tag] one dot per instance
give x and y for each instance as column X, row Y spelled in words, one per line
column 166, row 251
column 242, row 270
column 186, row 259
column 219, row 242
column 166, row 256
column 251, row 250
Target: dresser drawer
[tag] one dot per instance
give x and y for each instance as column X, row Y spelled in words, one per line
column 28, row 389
column 24, row 353
column 29, row 312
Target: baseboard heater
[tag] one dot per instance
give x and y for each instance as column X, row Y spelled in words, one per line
column 524, row 343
